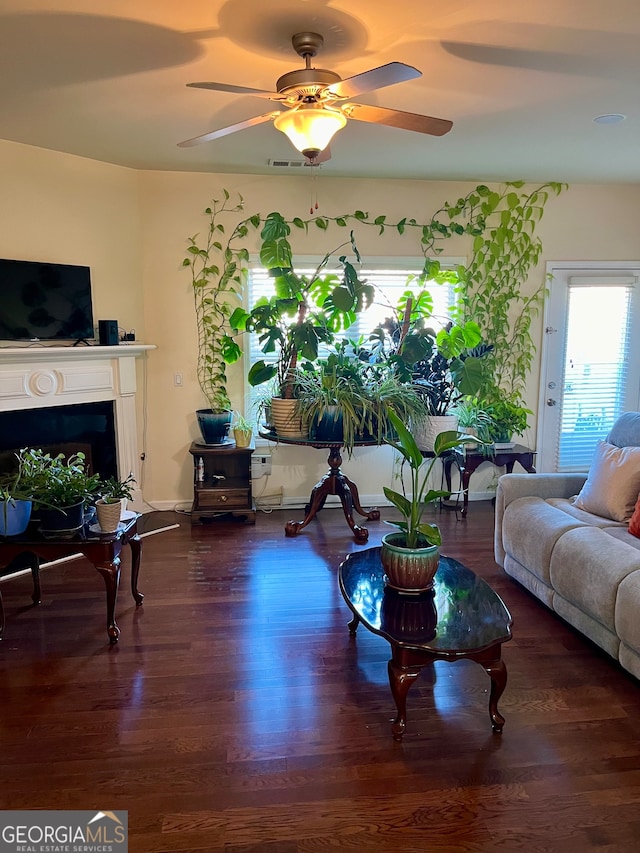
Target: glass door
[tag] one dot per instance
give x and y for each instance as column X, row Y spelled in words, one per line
column 590, row 371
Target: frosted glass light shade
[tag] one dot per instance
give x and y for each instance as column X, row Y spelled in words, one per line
column 311, row 128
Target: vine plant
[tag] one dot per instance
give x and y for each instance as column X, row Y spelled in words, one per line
column 219, row 267
column 505, row 248
column 501, row 225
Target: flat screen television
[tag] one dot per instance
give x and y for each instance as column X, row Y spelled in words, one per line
column 45, row 302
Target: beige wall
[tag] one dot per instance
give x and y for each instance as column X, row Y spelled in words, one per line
column 65, row 209
column 131, row 228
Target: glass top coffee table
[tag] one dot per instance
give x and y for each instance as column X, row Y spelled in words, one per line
column 462, row 617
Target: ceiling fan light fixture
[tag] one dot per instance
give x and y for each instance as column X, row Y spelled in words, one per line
column 311, row 127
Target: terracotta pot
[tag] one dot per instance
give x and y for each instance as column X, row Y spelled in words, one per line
column 409, row 570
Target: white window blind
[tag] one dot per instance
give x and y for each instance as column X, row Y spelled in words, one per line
column 596, row 364
column 390, row 280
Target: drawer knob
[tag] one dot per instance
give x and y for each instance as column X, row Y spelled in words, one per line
column 223, row 498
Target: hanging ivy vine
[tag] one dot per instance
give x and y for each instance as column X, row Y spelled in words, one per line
column 501, row 227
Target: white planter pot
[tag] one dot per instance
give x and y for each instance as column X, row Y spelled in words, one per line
column 286, row 421
column 108, row 515
column 425, row 431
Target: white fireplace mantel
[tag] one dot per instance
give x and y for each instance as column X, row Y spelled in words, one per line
column 37, row 377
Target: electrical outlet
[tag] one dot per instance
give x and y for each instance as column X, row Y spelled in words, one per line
column 260, row 465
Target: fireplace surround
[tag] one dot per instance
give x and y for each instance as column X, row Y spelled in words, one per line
column 47, row 377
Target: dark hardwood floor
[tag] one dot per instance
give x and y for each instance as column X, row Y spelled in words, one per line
column 236, row 714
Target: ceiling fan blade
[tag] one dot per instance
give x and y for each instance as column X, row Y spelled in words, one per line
column 397, row 118
column 225, row 131
column 236, row 90
column 376, row 78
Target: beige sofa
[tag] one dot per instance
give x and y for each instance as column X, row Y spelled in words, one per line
column 583, row 566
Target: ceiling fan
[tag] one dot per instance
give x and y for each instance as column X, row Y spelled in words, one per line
column 312, row 97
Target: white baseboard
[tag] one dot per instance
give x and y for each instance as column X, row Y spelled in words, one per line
column 296, row 502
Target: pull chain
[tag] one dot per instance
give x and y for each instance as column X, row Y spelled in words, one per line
column 314, row 189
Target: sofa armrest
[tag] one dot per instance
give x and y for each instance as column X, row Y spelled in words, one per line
column 513, row 486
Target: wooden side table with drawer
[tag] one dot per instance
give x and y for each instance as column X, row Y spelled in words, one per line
column 221, row 481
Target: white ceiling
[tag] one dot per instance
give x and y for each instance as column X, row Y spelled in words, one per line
column 521, row 80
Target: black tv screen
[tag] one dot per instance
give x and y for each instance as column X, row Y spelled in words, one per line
column 45, row 302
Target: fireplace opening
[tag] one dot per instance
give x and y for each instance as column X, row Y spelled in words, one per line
column 88, row 427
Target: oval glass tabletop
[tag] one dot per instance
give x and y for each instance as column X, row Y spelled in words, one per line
column 462, row 613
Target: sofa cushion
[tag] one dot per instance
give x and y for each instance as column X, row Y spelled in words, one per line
column 613, row 483
column 622, row 535
column 567, row 505
column 586, row 568
column 530, row 530
column 626, row 430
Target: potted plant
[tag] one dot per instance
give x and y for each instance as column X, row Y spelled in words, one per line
column 334, row 397
column 410, row 557
column 472, row 418
column 112, row 503
column 61, row 489
column 16, row 497
column 443, row 365
column 347, row 399
column 305, row 312
column 218, row 271
column 507, row 418
column 242, row 430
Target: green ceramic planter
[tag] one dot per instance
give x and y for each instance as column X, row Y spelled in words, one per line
column 408, row 570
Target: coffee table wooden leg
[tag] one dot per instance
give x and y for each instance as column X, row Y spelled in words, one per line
column 136, row 550
column 400, row 679
column 498, row 674
column 111, row 574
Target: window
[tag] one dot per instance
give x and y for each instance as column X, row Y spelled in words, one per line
column 390, row 279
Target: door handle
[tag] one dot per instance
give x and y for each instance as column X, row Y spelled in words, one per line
column 551, row 402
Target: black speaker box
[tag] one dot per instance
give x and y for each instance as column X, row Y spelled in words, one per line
column 108, row 333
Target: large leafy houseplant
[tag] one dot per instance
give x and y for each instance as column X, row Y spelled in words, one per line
column 444, row 365
column 410, row 557
column 412, row 506
column 500, row 226
column 305, row 311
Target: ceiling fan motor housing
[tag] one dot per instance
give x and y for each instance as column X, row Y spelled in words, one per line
column 306, row 81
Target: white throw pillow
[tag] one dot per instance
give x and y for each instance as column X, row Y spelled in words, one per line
column 613, row 483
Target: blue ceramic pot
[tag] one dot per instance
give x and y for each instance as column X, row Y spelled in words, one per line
column 14, row 517
column 214, row 426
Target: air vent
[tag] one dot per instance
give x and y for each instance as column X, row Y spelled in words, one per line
column 287, row 164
